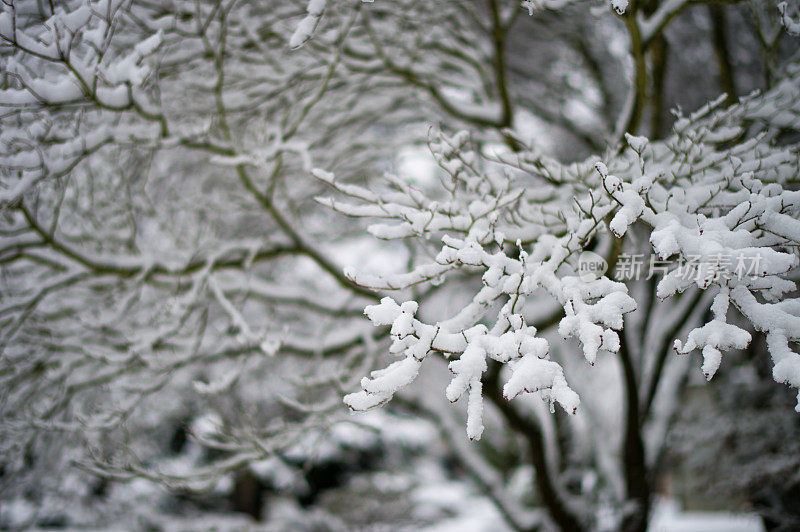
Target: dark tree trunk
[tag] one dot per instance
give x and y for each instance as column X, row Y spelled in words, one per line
column 247, row 494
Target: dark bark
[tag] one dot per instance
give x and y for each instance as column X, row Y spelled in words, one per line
column 719, row 39
column 247, row 495
column 659, row 54
column 637, row 484
column 553, row 500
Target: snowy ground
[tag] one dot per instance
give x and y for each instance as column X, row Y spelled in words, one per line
column 479, row 515
column 669, row 518
column 482, row 516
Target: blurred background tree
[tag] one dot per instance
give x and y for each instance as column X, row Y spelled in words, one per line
column 172, row 299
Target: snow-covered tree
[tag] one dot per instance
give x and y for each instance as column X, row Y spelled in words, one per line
column 651, row 250
column 169, row 281
column 158, row 247
column 159, row 243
